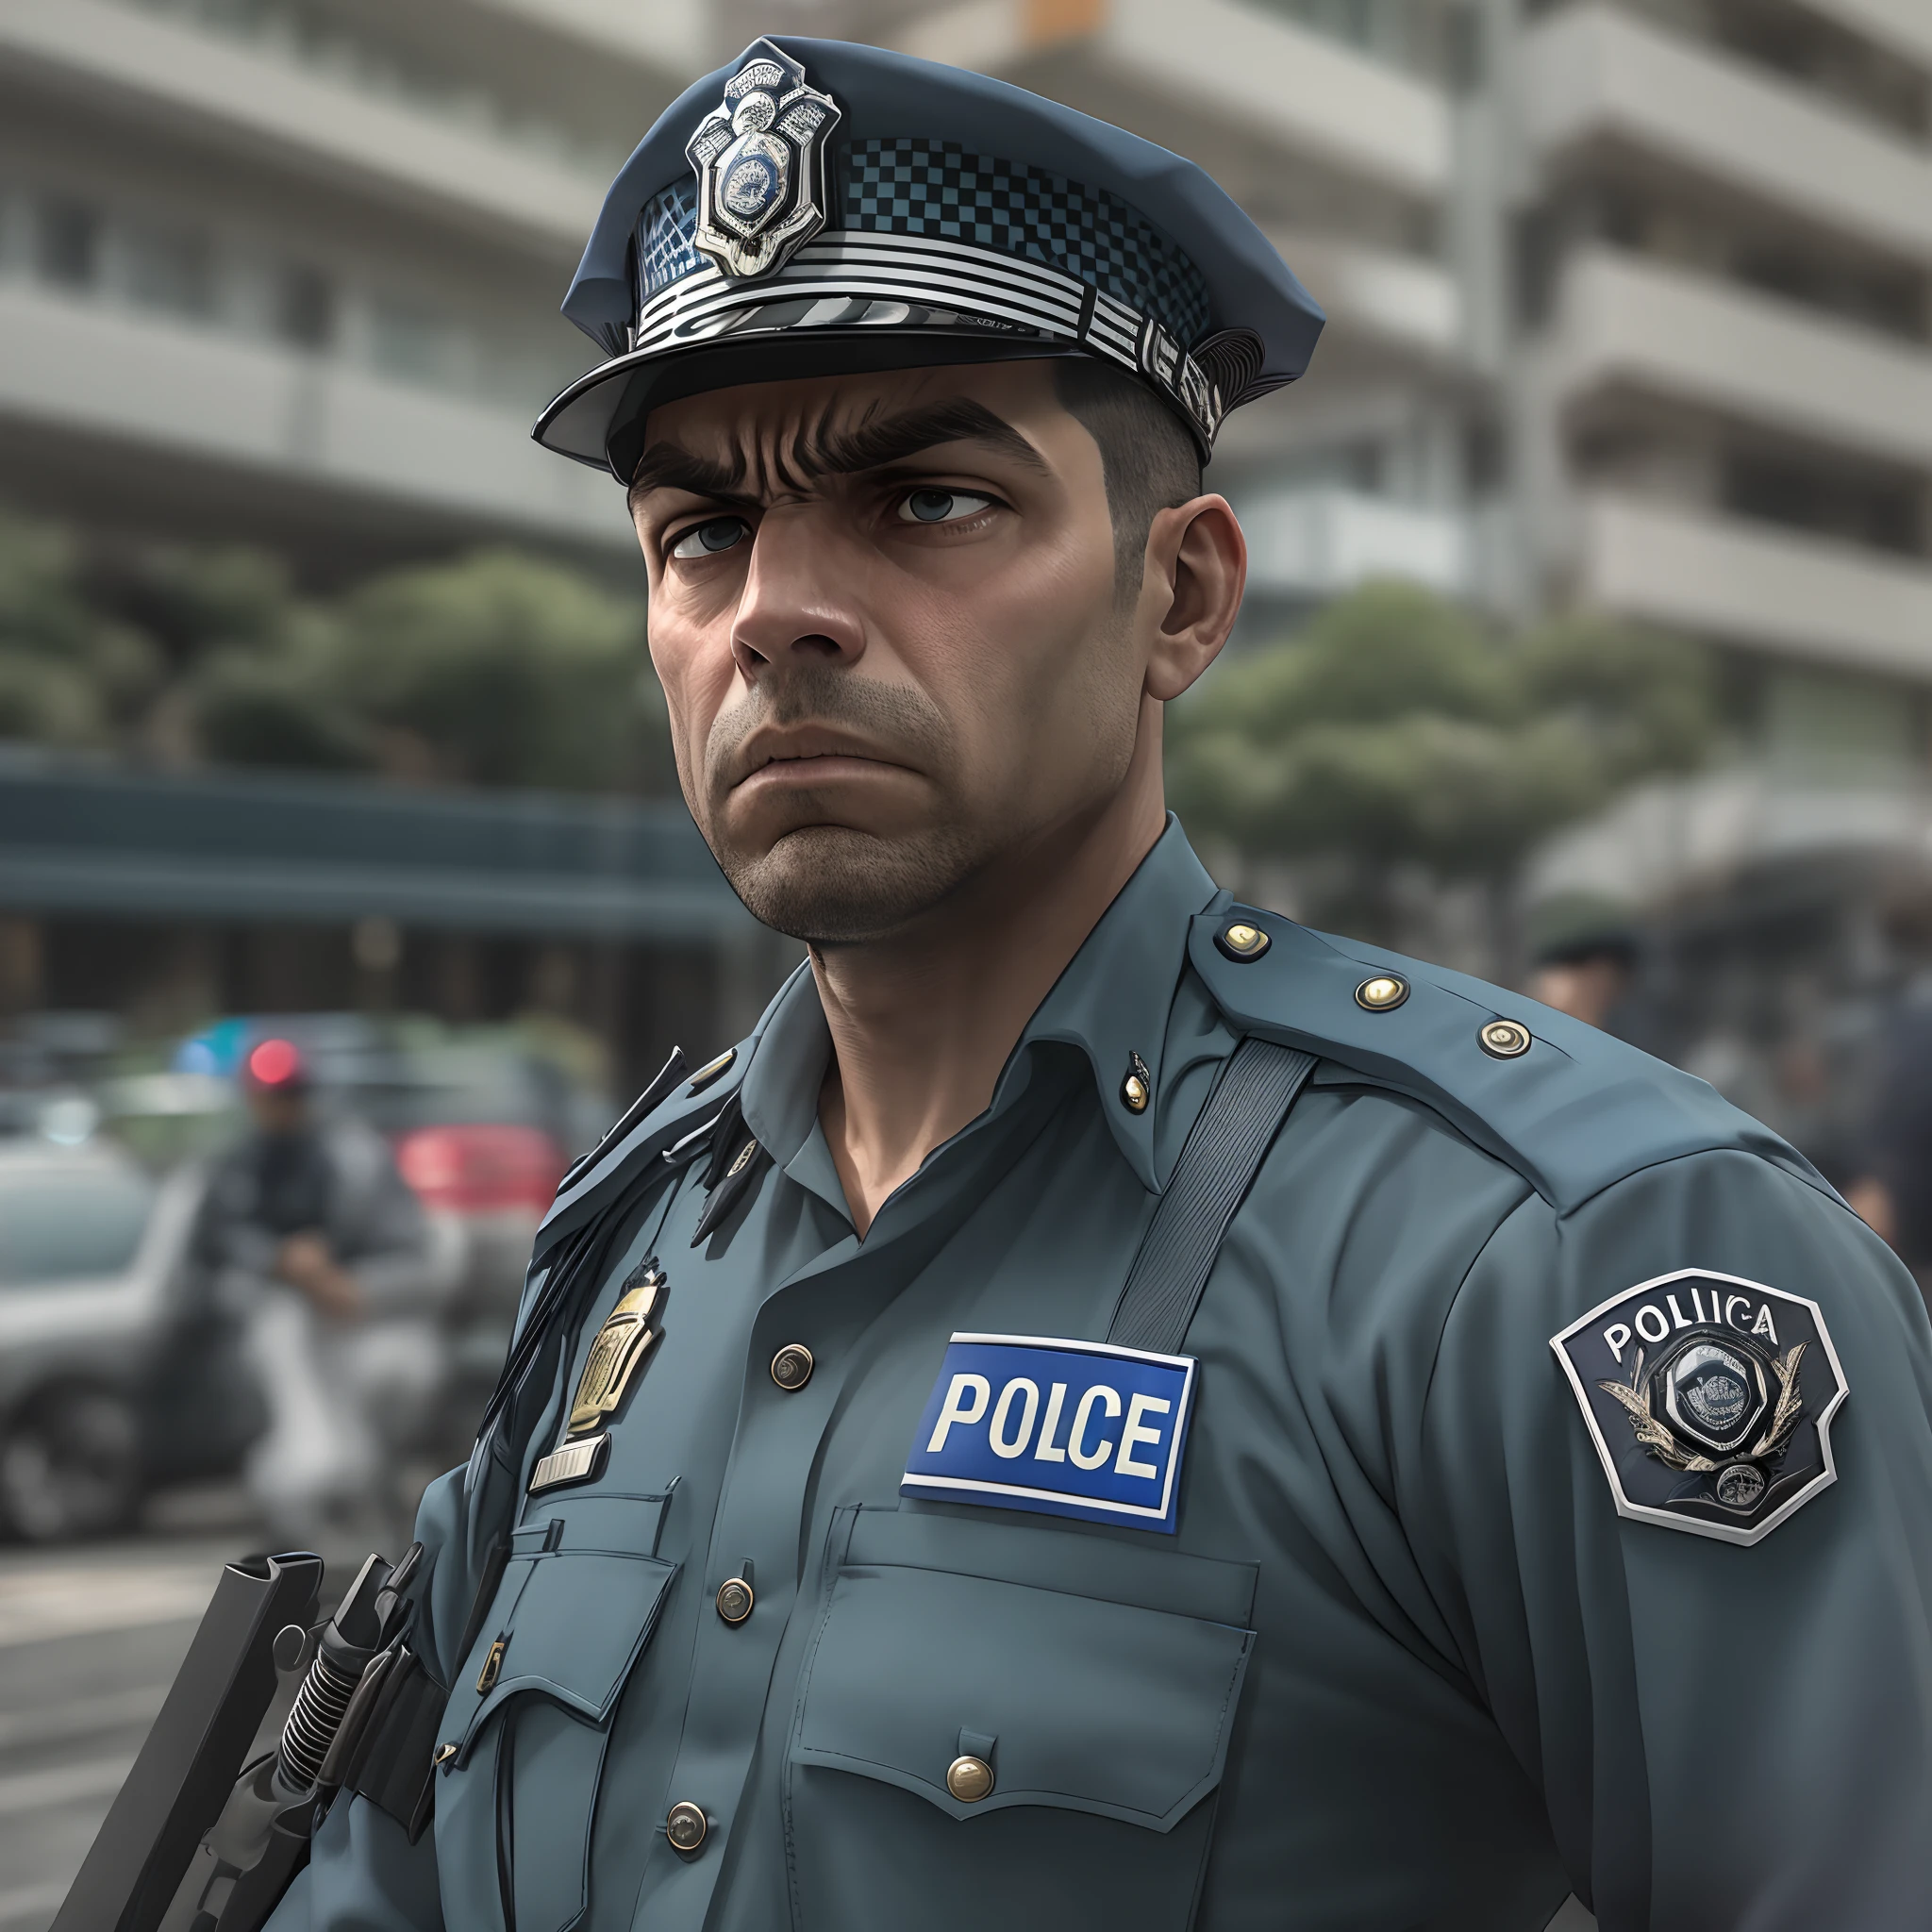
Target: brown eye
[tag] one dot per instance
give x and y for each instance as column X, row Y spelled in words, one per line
column 940, row 506
column 708, row 538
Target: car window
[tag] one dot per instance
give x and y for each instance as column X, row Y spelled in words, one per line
column 57, row 1227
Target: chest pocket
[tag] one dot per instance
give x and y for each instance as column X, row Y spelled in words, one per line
column 1094, row 1678
column 529, row 1716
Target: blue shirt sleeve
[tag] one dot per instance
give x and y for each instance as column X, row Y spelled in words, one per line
column 1721, row 1735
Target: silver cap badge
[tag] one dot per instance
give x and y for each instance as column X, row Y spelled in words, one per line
column 759, row 158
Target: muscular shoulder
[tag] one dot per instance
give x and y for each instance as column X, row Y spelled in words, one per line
column 1569, row 1108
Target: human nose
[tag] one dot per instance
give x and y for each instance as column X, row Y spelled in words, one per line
column 793, row 609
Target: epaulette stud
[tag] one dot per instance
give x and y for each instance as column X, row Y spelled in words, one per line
column 1382, row 992
column 1241, row 941
column 1503, row 1040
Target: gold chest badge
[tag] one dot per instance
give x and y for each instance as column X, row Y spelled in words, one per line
column 622, row 1344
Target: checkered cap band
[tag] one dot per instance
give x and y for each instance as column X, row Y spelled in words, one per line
column 665, row 254
column 905, row 186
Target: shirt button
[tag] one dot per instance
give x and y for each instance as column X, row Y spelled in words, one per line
column 734, row 1600
column 791, row 1367
column 685, row 1827
column 969, row 1779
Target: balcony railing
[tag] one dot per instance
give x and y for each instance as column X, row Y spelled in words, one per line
column 1625, row 321
column 308, row 119
column 1592, row 74
column 121, row 382
column 1756, row 584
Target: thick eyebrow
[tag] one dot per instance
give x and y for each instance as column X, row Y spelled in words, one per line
column 818, row 452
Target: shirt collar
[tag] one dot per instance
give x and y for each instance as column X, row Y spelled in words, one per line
column 1112, row 1002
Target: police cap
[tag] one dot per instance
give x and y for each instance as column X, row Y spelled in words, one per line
column 819, row 208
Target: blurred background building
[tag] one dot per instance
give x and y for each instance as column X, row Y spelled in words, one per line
column 288, row 272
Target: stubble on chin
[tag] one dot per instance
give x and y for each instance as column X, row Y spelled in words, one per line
column 829, row 884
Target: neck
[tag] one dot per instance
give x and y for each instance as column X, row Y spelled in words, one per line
column 922, row 1022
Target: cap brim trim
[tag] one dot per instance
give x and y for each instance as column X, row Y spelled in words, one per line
column 867, row 286
column 585, row 421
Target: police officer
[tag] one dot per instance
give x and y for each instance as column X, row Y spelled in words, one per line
column 1108, row 1408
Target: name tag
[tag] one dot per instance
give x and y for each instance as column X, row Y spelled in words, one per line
column 1066, row 1428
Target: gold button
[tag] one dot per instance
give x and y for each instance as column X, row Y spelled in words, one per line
column 1503, row 1040
column 1383, row 994
column 685, row 1827
column 734, row 1600
column 492, row 1665
column 711, row 1070
column 791, row 1367
column 969, row 1779
column 1242, row 940
column 1134, row 1093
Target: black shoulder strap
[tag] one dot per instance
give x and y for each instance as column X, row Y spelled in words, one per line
column 1217, row 1167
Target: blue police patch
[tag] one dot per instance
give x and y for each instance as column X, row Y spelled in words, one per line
column 1066, row 1428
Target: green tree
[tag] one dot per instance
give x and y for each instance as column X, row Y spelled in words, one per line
column 284, row 705
column 70, row 675
column 494, row 669
column 1394, row 727
column 502, row 670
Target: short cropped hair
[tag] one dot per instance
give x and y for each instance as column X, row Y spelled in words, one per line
column 1147, row 456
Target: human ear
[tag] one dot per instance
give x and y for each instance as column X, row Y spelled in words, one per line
column 1197, row 567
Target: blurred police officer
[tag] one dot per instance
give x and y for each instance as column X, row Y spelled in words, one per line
column 323, row 1254
column 1108, row 1408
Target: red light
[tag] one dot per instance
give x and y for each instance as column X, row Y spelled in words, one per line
column 274, row 1062
column 479, row 1166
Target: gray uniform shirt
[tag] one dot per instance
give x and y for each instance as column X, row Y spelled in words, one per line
column 1403, row 1662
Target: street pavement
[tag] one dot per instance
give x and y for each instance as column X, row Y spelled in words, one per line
column 89, row 1641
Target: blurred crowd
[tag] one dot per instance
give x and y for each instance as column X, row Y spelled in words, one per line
column 1839, row 1063
column 282, row 1267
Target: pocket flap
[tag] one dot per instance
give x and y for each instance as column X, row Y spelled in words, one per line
column 572, row 1620
column 1090, row 1705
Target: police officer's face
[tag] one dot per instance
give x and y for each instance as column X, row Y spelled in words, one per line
column 884, row 612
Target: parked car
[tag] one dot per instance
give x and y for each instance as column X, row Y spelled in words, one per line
column 109, row 1379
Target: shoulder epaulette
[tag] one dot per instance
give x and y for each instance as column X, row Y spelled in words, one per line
column 678, row 1106
column 1571, row 1108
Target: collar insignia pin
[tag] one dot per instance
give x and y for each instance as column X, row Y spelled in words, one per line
column 761, row 163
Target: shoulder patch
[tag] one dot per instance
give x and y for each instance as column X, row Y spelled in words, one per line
column 1709, row 1399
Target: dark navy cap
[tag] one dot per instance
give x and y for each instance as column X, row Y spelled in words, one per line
column 820, row 207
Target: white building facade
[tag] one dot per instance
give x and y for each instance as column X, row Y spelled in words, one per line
column 287, row 271
column 1628, row 298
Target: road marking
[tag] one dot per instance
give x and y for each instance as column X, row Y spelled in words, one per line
column 62, row 1784
column 30, row 1901
column 39, row 1603
column 76, row 1717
